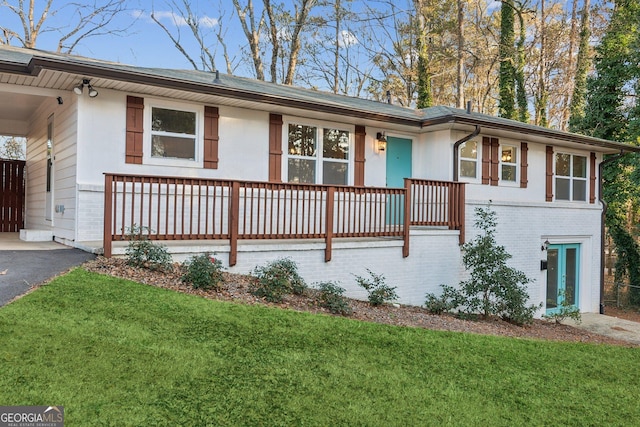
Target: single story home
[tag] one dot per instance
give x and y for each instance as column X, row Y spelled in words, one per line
column 255, row 171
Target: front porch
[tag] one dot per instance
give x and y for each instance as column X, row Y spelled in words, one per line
column 207, row 213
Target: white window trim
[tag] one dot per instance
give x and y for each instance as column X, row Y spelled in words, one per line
column 571, row 178
column 320, row 125
column 148, row 159
column 516, row 182
column 478, row 160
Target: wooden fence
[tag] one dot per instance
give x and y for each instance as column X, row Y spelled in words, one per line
column 173, row 208
column 11, row 195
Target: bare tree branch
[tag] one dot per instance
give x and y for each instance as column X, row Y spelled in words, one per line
column 86, row 20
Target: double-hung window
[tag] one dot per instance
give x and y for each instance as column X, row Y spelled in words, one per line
column 318, row 155
column 173, row 133
column 508, row 163
column 571, row 177
column 469, row 160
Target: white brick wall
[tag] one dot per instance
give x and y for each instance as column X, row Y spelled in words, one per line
column 522, row 228
column 90, row 213
column 434, row 259
column 435, row 256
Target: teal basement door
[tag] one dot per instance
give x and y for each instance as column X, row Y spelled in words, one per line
column 563, row 276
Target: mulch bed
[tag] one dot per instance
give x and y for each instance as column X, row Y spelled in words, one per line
column 237, row 289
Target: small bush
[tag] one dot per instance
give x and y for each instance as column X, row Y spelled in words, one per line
column 277, row 279
column 331, row 297
column 379, row 292
column 566, row 311
column 449, row 300
column 203, row 272
column 143, row 253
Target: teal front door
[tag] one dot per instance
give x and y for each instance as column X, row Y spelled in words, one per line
column 398, row 168
column 563, row 276
column 398, row 161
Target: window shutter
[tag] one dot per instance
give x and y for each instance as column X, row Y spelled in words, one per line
column 358, row 173
column 495, row 161
column 549, row 181
column 134, row 133
column 486, row 159
column 275, row 148
column 524, row 164
column 592, row 179
column 211, row 137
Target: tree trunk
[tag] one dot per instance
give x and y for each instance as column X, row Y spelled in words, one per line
column 460, row 71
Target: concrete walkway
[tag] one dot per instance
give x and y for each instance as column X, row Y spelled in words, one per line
column 609, row 326
column 24, row 264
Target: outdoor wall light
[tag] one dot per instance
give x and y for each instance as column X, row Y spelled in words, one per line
column 381, row 142
column 80, row 88
column 545, row 245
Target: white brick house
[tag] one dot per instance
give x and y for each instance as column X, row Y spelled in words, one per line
column 255, row 171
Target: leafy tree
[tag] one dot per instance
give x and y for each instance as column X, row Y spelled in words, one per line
column 12, row 148
column 582, row 66
column 613, row 112
column 507, row 58
column 425, row 97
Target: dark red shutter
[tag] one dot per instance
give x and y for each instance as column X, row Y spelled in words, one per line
column 495, row 161
column 486, row 159
column 524, row 164
column 211, row 137
column 275, row 148
column 592, row 179
column 358, row 172
column 549, row 181
column 135, row 130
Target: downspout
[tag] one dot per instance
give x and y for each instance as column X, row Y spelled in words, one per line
column 602, row 221
column 459, row 142
column 456, row 145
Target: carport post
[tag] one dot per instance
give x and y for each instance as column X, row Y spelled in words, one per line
column 107, row 235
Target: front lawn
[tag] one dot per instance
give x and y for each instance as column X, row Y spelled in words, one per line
column 114, row 352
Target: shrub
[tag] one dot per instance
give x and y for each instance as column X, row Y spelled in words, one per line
column 493, row 288
column 379, row 292
column 142, row 252
column 203, row 272
column 331, row 297
column 447, row 301
column 277, row 279
column 566, row 311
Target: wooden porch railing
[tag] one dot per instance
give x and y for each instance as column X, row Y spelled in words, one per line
column 437, row 203
column 172, row 208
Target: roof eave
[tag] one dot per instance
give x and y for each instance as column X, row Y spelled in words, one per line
column 539, row 131
column 38, row 63
column 216, row 89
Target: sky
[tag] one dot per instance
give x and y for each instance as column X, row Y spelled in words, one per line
column 145, row 43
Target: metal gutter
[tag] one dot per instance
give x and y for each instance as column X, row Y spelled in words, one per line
column 210, row 88
column 489, row 123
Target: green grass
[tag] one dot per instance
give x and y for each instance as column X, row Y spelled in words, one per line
column 114, row 352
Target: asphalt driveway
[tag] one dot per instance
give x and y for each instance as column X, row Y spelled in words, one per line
column 21, row 269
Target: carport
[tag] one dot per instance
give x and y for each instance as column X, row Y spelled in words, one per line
column 20, row 106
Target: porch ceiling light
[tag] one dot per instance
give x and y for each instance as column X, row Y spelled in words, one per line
column 80, row 88
column 381, row 142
